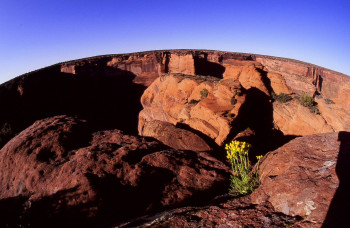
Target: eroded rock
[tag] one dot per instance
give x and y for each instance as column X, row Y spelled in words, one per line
column 231, row 213
column 66, row 175
column 294, row 119
column 206, row 104
column 304, row 178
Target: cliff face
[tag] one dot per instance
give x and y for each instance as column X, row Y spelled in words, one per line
column 267, row 74
column 92, row 88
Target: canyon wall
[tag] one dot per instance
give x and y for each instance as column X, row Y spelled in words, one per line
column 92, row 88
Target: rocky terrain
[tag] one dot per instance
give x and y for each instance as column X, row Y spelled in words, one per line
column 136, row 140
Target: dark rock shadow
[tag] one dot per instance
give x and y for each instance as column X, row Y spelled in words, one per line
column 11, row 209
column 257, row 114
column 118, row 202
column 105, row 96
column 50, row 211
column 206, row 68
column 113, row 202
column 338, row 212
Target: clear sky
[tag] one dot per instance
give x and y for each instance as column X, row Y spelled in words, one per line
column 39, row 33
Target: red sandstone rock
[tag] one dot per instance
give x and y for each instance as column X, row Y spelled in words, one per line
column 174, row 137
column 57, row 167
column 247, row 72
column 231, row 213
column 179, row 99
column 294, row 119
column 180, row 63
column 305, row 78
column 305, row 176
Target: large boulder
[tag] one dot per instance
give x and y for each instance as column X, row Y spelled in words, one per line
column 230, row 213
column 206, row 104
column 309, row 177
column 58, row 173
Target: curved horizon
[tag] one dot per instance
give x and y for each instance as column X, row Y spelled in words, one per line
column 37, row 34
column 165, row 50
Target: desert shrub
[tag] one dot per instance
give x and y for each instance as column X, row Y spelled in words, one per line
column 205, row 78
column 329, row 101
column 230, row 115
column 233, row 101
column 309, row 102
column 282, row 97
column 306, row 100
column 315, row 110
column 243, row 180
column 193, row 101
column 238, row 93
column 204, row 93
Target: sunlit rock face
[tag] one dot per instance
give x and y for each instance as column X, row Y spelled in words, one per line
column 308, row 177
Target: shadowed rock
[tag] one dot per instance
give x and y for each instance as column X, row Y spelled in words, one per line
column 64, row 175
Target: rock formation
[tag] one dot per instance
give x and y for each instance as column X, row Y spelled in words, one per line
column 307, row 181
column 58, row 166
column 137, row 139
column 302, row 177
column 206, row 104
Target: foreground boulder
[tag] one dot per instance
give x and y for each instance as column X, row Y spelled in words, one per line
column 309, row 177
column 305, row 183
column 57, row 173
column 230, row 213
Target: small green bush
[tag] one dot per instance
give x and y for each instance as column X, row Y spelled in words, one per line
column 243, row 180
column 309, row 102
column 315, row 110
column 193, row 101
column 205, row 78
column 238, row 93
column 282, row 97
column 233, row 101
column 204, row 93
column 230, row 115
column 306, row 100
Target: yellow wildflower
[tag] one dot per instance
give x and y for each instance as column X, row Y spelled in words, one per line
column 259, row 157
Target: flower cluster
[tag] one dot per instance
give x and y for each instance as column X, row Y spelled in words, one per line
column 236, row 148
column 243, row 179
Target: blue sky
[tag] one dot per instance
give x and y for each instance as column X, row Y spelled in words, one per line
column 38, row 33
